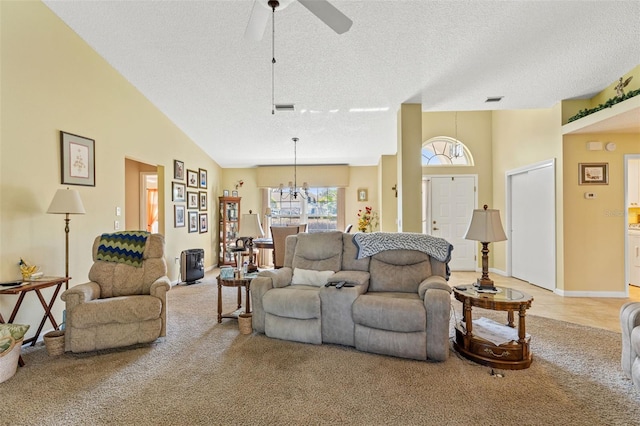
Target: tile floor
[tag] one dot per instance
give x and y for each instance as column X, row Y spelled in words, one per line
column 598, row 312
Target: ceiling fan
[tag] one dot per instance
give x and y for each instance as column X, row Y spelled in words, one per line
column 324, row 10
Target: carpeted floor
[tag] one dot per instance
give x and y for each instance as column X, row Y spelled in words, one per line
column 205, row 373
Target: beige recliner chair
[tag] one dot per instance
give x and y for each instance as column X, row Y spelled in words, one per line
column 126, row 301
column 630, row 324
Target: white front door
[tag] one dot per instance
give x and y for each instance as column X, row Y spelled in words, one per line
column 449, row 204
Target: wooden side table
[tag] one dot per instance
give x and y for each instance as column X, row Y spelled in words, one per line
column 36, row 286
column 515, row 355
column 239, row 282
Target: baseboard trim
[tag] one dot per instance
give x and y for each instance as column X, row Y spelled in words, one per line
column 601, row 294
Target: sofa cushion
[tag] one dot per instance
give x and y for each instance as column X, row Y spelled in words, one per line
column 120, row 310
column 310, row 277
column 296, row 301
column 321, row 251
column 399, row 270
column 392, row 311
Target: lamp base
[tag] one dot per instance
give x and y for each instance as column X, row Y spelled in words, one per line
column 251, row 268
column 485, row 284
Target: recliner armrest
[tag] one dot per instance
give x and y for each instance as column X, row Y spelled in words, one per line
column 160, row 287
column 433, row 282
column 279, row 277
column 81, row 293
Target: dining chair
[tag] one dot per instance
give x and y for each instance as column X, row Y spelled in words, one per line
column 279, row 235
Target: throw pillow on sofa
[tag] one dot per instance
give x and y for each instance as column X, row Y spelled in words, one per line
column 310, row 277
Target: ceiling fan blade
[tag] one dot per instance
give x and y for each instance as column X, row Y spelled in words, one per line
column 257, row 22
column 328, row 14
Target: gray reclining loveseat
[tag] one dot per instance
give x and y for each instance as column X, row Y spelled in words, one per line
column 395, row 299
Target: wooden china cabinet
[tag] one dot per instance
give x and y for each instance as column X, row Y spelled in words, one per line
column 228, row 226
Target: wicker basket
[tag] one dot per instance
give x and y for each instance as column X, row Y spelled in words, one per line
column 9, row 361
column 244, row 323
column 54, row 341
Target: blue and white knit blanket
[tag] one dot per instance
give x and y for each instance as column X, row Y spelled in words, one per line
column 123, row 247
column 371, row 243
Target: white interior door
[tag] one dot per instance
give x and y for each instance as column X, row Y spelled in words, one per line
column 449, row 203
column 531, row 224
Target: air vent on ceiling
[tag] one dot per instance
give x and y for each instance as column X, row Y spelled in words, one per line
column 285, row 107
column 494, row 99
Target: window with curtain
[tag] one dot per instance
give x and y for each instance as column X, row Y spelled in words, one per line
column 319, row 210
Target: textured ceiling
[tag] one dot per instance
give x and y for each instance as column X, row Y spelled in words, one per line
column 190, row 59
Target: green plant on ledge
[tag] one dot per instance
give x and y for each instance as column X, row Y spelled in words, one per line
column 611, row 102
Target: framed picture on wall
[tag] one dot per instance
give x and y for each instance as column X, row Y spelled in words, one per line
column 193, row 221
column 178, row 216
column 204, row 222
column 178, row 170
column 593, row 173
column 177, row 192
column 203, row 178
column 192, row 178
column 78, row 160
column 203, row 200
column 192, row 200
column 363, row 194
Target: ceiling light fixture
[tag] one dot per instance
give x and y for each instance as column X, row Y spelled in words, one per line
column 273, row 4
column 293, row 186
column 455, row 149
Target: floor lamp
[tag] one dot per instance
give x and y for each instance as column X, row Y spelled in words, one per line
column 66, row 201
column 485, row 227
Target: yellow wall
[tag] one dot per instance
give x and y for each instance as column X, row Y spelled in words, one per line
column 595, row 228
column 474, row 130
column 361, row 177
column 51, row 80
column 521, row 138
column 387, row 180
column 410, row 168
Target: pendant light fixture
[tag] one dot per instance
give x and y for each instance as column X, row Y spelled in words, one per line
column 273, row 4
column 293, row 186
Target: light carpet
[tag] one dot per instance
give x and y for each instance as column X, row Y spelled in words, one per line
column 205, row 373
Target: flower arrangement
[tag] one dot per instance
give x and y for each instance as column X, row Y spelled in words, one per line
column 367, row 219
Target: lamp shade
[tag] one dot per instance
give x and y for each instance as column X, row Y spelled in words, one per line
column 250, row 226
column 485, row 226
column 66, row 201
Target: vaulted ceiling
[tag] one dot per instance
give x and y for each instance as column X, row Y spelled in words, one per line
column 191, row 60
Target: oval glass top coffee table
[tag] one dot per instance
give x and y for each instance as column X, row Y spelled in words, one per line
column 494, row 349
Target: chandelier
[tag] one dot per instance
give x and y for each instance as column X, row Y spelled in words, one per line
column 293, row 186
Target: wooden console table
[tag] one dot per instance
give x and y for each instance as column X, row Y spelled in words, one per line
column 36, row 286
column 515, row 355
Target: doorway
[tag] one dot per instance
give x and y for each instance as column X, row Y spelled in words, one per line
column 143, row 190
column 531, row 224
column 149, row 201
column 448, row 203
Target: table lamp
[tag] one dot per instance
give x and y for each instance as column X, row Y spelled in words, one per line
column 66, row 201
column 249, row 229
column 485, row 227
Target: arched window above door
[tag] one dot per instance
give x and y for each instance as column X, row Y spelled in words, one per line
column 445, row 151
